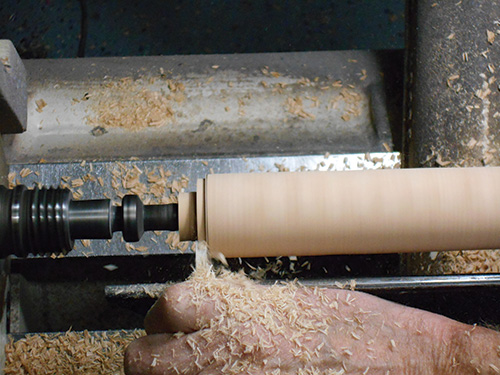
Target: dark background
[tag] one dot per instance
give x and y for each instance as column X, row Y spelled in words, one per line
column 51, row 28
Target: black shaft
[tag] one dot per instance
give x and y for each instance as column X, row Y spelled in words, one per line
column 87, row 217
column 45, row 220
column 157, row 217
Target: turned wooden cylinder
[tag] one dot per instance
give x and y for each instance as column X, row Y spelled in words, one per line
column 351, row 212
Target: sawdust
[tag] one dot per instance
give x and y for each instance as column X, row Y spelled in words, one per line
column 69, row 353
column 153, row 186
column 349, row 100
column 280, row 311
column 466, row 262
column 128, row 105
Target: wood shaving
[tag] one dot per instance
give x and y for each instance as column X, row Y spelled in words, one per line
column 11, row 177
column 345, row 117
column 494, row 368
column 279, row 88
column 393, row 344
column 173, row 242
column 281, row 167
column 129, row 247
column 25, row 172
column 77, row 182
column 40, row 105
column 491, row 36
column 483, row 92
column 304, row 81
column 295, row 107
column 5, row 62
column 451, row 79
column 315, row 101
column 472, row 143
column 85, row 243
column 441, row 162
column 78, row 194
column 69, row 353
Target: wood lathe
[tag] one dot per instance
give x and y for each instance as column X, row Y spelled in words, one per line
column 116, row 131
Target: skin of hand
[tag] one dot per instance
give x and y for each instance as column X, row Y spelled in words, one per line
column 367, row 336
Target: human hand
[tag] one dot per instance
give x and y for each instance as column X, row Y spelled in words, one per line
column 230, row 325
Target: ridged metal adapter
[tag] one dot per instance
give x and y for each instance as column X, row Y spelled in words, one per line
column 47, row 220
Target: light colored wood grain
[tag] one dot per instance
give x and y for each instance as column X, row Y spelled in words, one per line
column 200, row 209
column 353, row 212
column 187, row 216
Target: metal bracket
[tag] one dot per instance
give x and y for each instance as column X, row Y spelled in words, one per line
column 13, row 91
column 4, row 168
column 13, row 107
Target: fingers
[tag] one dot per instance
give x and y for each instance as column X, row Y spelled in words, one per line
column 158, row 354
column 176, row 311
column 168, row 354
column 138, row 356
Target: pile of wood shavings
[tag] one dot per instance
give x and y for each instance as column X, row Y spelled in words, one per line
column 282, row 308
column 466, row 262
column 69, row 353
column 351, row 103
column 153, row 186
column 128, row 105
column 295, row 106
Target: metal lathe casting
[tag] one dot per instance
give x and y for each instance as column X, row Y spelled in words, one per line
column 48, row 220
